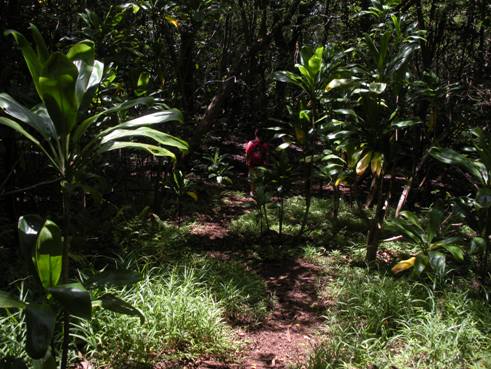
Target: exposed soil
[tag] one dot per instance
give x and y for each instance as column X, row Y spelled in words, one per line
column 289, row 332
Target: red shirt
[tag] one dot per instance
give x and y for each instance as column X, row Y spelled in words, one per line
column 256, row 153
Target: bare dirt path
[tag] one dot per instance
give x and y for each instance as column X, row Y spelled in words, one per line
column 291, row 329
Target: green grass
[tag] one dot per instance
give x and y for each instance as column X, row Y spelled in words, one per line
column 383, row 322
column 183, row 320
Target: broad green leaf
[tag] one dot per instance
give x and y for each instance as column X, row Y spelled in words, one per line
column 74, row 298
column 82, row 127
column 40, row 322
column 377, row 163
column 18, row 128
column 57, row 82
column 478, row 245
column 172, row 115
column 28, row 228
column 335, row 83
column 403, row 265
column 435, row 219
column 363, row 163
column 348, row 112
column 421, row 263
column 455, row 250
column 152, row 149
column 113, row 278
column 158, row 136
column 289, row 77
column 406, row 123
column 41, row 48
column 33, row 62
column 194, row 195
column 377, row 87
column 113, row 303
column 41, row 124
column 83, row 50
column 315, row 61
column 48, row 256
column 8, row 301
column 437, row 262
column 449, row 156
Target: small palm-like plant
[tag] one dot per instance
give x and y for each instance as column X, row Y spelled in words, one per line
column 427, row 234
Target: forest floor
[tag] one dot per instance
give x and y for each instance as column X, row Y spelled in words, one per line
column 290, row 331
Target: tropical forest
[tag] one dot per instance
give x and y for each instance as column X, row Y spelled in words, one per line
column 245, row 184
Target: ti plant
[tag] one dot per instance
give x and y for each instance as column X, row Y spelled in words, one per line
column 70, row 133
column 182, row 187
column 280, row 178
column 370, row 131
column 427, row 234
column 316, row 69
column 41, row 244
column 475, row 210
column 218, row 168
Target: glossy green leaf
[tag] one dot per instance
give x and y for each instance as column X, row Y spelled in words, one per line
column 57, row 82
column 113, row 303
column 40, row 323
column 74, row 298
column 8, row 301
column 28, row 228
column 33, row 62
column 455, row 250
column 48, row 256
column 160, row 137
column 83, row 50
column 82, row 127
column 435, row 219
column 478, row 245
column 172, row 115
column 114, row 278
column 335, row 83
column 41, row 124
column 152, row 149
column 449, row 156
column 377, row 88
column 41, row 48
column 363, row 163
column 405, row 123
column 437, row 262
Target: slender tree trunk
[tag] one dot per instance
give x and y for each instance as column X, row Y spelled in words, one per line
column 376, row 224
column 66, row 195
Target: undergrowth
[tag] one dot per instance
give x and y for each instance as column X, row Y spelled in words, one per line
column 382, row 322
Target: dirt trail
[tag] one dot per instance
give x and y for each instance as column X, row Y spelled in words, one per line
column 289, row 333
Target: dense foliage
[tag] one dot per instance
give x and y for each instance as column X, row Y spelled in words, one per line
column 376, row 116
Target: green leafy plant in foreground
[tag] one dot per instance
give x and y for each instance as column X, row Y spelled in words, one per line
column 475, row 210
column 69, row 133
column 427, row 234
column 42, row 247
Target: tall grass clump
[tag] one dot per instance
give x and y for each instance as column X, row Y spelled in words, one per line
column 382, row 322
column 182, row 320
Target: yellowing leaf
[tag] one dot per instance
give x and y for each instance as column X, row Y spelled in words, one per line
column 173, row 21
column 362, row 165
column 300, row 135
column 403, row 265
column 377, row 163
column 193, row 195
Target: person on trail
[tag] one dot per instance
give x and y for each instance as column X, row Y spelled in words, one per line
column 256, row 155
